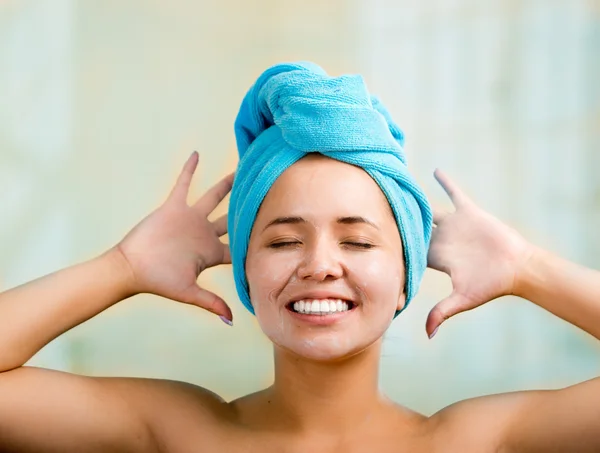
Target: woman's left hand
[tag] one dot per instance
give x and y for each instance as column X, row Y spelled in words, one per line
column 482, row 255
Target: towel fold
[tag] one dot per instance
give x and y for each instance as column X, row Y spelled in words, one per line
column 294, row 109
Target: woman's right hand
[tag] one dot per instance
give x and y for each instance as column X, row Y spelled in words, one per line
column 167, row 251
column 43, row 410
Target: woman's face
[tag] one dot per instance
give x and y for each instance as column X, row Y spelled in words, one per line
column 325, row 233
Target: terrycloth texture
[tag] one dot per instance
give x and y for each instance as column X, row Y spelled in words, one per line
column 294, row 109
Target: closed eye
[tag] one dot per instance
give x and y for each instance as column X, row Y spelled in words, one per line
column 362, row 245
column 279, row 245
column 287, row 244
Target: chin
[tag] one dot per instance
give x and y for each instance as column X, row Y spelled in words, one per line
column 323, row 348
column 334, row 341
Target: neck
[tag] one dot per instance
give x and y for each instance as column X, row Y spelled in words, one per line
column 317, row 396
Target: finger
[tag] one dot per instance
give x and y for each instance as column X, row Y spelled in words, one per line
column 223, row 258
column 182, row 186
column 445, row 309
column 220, row 225
column 455, row 193
column 439, row 215
column 211, row 199
column 433, row 255
column 226, row 254
column 209, row 301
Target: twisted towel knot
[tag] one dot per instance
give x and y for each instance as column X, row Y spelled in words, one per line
column 295, row 109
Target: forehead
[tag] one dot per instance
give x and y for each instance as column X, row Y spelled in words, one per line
column 320, row 185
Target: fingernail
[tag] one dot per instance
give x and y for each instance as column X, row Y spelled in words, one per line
column 434, row 332
column 229, row 322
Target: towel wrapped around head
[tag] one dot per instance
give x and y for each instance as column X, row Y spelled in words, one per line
column 295, row 109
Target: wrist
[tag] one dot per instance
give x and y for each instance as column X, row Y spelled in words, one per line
column 528, row 276
column 120, row 272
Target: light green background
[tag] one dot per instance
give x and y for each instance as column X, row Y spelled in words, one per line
column 102, row 101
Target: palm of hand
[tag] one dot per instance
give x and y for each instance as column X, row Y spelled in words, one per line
column 169, row 249
column 480, row 254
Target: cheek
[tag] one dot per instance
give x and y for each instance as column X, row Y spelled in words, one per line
column 381, row 279
column 267, row 274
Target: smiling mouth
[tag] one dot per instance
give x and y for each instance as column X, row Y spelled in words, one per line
column 320, row 307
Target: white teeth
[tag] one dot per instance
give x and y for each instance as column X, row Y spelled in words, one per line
column 315, row 307
column 320, row 307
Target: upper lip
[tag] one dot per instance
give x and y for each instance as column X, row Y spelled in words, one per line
column 320, row 294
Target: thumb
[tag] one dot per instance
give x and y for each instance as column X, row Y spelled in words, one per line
column 450, row 306
column 209, row 301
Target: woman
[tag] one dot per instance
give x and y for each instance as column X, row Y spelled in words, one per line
column 325, row 263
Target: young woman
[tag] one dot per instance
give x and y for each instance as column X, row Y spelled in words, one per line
column 327, row 269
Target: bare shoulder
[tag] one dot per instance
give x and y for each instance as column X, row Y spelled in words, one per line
column 117, row 413
column 42, row 410
column 176, row 412
column 148, row 393
column 478, row 424
column 565, row 419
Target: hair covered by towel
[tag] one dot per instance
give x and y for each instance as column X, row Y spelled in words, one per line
column 296, row 108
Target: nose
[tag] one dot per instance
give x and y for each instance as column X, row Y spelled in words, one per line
column 321, row 263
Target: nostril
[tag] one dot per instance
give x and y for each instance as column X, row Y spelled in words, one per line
column 320, row 268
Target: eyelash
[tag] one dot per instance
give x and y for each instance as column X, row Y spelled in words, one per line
column 279, row 245
column 362, row 245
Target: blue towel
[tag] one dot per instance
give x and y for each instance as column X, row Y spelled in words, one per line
column 294, row 109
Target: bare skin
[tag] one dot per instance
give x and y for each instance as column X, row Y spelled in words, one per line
column 325, row 398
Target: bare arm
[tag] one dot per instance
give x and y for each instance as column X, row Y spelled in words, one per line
column 566, row 419
column 34, row 314
column 50, row 411
column 568, row 290
column 43, row 410
column 486, row 260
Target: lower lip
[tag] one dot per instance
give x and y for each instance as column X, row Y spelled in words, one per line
column 321, row 320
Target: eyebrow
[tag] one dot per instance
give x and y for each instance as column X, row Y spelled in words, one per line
column 349, row 220
column 285, row 221
column 353, row 220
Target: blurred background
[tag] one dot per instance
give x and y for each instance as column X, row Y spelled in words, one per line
column 101, row 102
